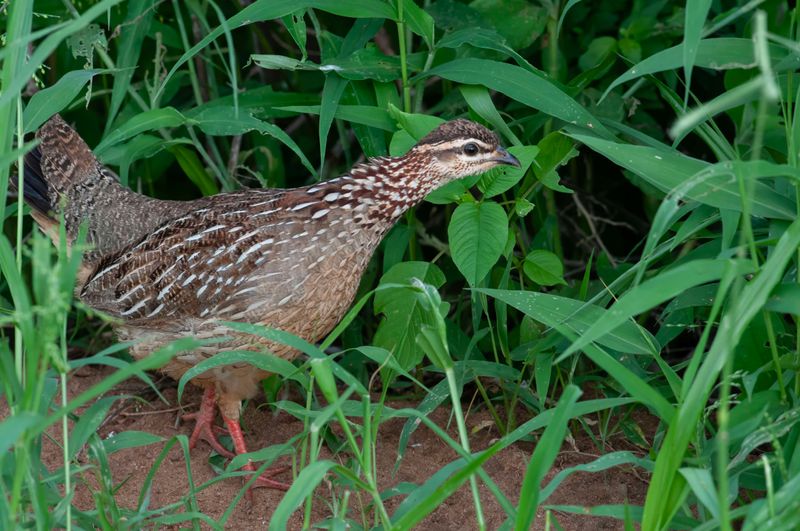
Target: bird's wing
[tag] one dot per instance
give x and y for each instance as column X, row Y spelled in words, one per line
column 195, row 265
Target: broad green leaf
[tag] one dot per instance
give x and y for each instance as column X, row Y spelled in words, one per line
column 529, row 20
column 452, row 192
column 454, row 16
column 502, row 178
column 740, row 95
column 713, row 185
column 780, row 511
column 599, row 50
column 403, row 315
column 477, row 235
column 51, row 100
column 400, row 143
column 523, row 207
column 555, row 150
column 416, row 125
column 553, row 310
column 544, row 268
column 522, row 86
column 765, row 434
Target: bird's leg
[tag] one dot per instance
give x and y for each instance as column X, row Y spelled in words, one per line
column 204, row 424
column 265, row 479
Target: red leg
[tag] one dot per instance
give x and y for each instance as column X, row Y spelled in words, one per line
column 264, row 480
column 204, row 424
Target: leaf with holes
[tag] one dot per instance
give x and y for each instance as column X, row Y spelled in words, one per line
column 477, row 234
column 555, row 150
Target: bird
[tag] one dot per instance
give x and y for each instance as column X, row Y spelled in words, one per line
column 289, row 259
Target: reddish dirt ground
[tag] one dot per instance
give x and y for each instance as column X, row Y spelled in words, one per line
column 426, row 455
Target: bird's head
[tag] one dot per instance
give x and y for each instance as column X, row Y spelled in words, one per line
column 460, row 148
column 388, row 187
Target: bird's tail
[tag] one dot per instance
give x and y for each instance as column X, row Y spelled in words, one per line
column 60, row 161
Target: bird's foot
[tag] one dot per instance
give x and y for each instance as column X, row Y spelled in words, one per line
column 204, row 428
column 265, row 479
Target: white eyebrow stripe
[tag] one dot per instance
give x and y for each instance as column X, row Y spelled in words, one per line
column 461, row 142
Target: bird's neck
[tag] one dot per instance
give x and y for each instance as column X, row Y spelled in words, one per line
column 378, row 192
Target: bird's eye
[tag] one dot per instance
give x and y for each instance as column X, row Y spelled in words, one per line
column 471, row 149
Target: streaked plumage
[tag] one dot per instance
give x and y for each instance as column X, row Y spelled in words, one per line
column 290, row 259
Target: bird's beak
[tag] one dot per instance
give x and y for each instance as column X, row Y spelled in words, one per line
column 501, row 156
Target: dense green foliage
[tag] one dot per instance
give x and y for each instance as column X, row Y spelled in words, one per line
column 643, row 258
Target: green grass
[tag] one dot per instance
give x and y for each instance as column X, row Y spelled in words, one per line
column 643, row 260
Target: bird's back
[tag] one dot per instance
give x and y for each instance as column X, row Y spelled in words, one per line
column 62, row 176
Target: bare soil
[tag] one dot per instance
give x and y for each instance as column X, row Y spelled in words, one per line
column 426, row 455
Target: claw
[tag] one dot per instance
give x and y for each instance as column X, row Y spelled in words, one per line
column 265, row 479
column 204, row 428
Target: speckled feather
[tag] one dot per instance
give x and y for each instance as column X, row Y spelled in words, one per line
column 289, row 259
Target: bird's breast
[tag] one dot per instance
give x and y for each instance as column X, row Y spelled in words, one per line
column 311, row 286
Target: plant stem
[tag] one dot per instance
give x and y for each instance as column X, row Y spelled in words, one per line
column 723, row 436
column 65, row 429
column 455, row 397
column 401, row 36
column 19, row 358
column 552, row 69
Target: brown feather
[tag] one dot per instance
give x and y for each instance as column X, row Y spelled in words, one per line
column 288, row 259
